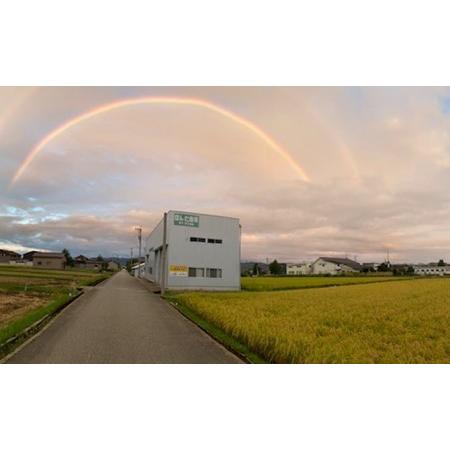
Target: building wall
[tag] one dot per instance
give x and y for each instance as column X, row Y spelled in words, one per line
column 49, row 263
column 152, row 253
column 20, row 262
column 298, row 269
column 322, row 267
column 185, row 255
column 7, row 258
column 93, row 265
column 432, row 270
column 112, row 265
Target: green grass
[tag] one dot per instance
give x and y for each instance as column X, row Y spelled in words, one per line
column 13, row 328
column 55, row 288
column 305, row 282
column 36, row 273
column 389, row 322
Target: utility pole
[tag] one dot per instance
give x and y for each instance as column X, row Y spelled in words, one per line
column 164, row 257
column 139, row 231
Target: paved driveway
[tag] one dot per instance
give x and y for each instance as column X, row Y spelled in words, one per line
column 120, row 321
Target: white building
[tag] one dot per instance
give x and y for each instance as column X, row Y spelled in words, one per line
column 202, row 252
column 298, row 269
column 137, row 269
column 432, row 270
column 334, row 266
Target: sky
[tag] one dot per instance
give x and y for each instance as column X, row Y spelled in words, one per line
column 309, row 171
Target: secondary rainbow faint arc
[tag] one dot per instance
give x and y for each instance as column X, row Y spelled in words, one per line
column 157, row 100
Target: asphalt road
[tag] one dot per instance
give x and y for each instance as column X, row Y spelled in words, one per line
column 120, row 321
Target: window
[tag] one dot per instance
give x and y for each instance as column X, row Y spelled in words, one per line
column 196, row 272
column 214, row 273
column 214, row 241
column 197, row 239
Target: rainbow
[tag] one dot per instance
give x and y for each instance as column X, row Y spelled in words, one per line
column 157, row 100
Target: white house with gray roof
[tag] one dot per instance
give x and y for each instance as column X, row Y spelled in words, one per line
column 334, row 266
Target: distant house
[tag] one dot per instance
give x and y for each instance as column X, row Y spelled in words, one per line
column 93, row 264
column 432, row 269
column 83, row 262
column 49, row 260
column 29, row 255
column 138, row 269
column 298, row 269
column 8, row 256
column 334, row 266
column 80, row 261
column 113, row 265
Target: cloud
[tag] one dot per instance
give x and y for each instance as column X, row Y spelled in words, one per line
column 378, row 158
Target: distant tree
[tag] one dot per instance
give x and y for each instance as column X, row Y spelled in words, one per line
column 255, row 270
column 69, row 260
column 129, row 264
column 410, row 270
column 275, row 267
column 441, row 263
column 99, row 258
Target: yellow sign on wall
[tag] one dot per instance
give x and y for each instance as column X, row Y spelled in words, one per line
column 176, row 270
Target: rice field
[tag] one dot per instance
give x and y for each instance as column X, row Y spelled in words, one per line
column 391, row 322
column 27, row 294
column 304, row 282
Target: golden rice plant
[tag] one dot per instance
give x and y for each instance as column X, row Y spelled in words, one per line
column 391, row 322
column 283, row 283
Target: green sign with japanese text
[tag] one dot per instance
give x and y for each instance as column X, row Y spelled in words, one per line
column 186, row 220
